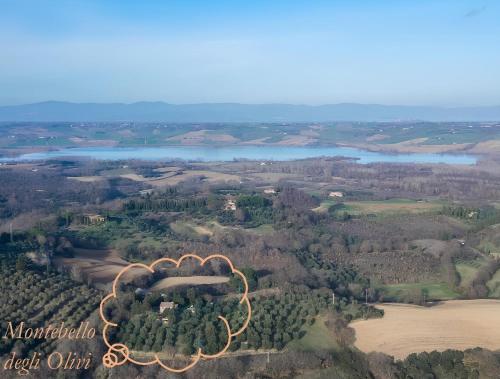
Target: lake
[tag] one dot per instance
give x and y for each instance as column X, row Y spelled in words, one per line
column 229, row 153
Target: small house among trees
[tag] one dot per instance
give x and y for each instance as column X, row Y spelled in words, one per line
column 230, row 205
column 167, row 305
column 91, row 219
column 336, row 194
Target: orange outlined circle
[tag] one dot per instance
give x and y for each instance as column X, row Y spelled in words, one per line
column 110, row 359
column 118, row 354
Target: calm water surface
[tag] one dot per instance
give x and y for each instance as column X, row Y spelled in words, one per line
column 229, row 153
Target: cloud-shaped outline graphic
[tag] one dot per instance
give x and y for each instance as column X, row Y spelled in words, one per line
column 111, row 358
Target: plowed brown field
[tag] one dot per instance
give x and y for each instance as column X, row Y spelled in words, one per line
column 455, row 324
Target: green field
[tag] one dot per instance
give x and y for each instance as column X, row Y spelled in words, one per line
column 494, row 285
column 380, row 207
column 190, row 230
column 325, row 205
column 468, row 271
column 141, row 134
column 489, row 248
column 263, row 229
column 434, row 291
column 317, row 337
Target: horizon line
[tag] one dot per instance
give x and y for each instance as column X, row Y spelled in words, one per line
column 245, row 103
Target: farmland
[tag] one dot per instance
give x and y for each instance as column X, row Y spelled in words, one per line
column 494, row 285
column 392, row 137
column 468, row 271
column 398, row 233
column 392, row 206
column 99, row 266
column 188, row 281
column 381, row 207
column 403, row 292
column 406, row 329
column 317, row 336
column 58, row 299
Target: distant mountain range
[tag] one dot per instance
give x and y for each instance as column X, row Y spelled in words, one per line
column 233, row 112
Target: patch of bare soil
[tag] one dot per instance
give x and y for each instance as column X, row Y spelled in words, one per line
column 100, row 266
column 86, row 179
column 492, row 146
column 188, row 280
column 210, row 176
column 170, row 178
column 455, row 324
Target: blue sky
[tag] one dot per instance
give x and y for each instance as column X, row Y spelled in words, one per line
column 420, row 52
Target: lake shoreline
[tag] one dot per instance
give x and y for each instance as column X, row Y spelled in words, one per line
column 203, row 153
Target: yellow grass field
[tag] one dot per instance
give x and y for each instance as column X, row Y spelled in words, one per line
column 455, row 324
column 175, row 281
column 211, row 176
column 171, row 178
